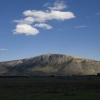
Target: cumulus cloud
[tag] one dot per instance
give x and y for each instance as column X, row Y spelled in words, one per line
column 58, row 5
column 49, row 15
column 2, row 49
column 36, row 18
column 25, row 29
column 43, row 25
column 27, row 20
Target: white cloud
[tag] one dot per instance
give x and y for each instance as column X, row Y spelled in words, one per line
column 58, row 5
column 80, row 26
column 25, row 26
column 46, row 4
column 42, row 25
column 27, row 20
column 87, row 17
column 2, row 49
column 25, row 29
column 41, row 16
column 60, row 29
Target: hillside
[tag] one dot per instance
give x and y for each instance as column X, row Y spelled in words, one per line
column 50, row 64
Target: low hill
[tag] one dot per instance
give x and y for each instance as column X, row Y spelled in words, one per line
column 50, row 64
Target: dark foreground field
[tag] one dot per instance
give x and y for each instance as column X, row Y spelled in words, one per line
column 50, row 88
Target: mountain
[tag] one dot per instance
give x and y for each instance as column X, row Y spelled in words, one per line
column 50, row 64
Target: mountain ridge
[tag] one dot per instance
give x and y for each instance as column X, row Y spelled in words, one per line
column 50, row 64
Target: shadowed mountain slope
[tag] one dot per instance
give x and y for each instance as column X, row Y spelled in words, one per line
column 50, row 64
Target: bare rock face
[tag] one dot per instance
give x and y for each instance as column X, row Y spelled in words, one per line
column 50, row 64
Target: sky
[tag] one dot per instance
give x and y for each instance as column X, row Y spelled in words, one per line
column 30, row 28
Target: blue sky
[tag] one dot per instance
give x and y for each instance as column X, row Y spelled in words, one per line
column 33, row 27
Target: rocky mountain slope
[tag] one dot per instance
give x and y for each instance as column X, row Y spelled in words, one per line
column 50, row 64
